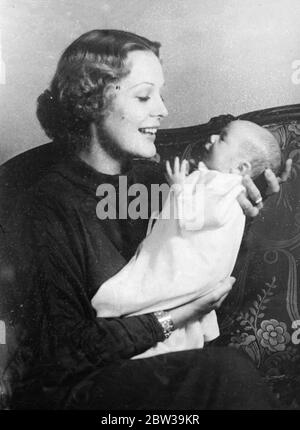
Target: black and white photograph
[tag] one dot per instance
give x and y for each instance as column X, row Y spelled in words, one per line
column 149, row 208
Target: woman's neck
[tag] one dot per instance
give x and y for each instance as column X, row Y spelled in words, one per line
column 97, row 157
column 101, row 162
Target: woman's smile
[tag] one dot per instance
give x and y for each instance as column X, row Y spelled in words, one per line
column 148, row 131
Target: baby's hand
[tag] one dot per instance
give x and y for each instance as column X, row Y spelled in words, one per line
column 179, row 172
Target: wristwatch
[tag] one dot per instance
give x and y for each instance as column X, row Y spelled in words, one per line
column 166, row 322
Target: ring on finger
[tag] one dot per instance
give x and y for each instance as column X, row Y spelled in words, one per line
column 258, row 201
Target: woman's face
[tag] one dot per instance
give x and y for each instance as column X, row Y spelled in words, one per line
column 137, row 107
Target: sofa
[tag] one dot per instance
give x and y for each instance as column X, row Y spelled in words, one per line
column 261, row 314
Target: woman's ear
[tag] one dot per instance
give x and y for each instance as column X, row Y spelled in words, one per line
column 245, row 168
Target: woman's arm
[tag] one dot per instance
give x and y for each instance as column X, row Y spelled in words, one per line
column 52, row 303
column 55, row 308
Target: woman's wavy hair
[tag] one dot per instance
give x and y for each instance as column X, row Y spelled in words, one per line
column 77, row 95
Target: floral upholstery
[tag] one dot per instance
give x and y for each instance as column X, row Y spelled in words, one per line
column 263, row 319
column 261, row 315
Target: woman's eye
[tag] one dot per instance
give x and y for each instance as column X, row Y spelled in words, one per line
column 144, row 99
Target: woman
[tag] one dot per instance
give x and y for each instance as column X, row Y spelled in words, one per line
column 105, row 105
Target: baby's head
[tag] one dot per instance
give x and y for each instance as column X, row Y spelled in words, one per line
column 243, row 147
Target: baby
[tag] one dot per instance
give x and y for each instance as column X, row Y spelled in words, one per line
column 194, row 243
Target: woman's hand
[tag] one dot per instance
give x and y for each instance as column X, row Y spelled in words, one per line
column 253, row 194
column 198, row 308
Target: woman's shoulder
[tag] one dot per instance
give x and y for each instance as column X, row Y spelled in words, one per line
column 51, row 192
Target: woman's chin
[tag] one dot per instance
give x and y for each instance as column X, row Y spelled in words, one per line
column 148, row 152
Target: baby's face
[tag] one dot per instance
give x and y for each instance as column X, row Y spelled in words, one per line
column 222, row 152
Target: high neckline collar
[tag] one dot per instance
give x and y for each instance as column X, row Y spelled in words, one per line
column 77, row 170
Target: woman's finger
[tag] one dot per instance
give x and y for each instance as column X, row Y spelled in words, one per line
column 218, row 304
column 287, row 171
column 221, row 292
column 272, row 181
column 248, row 208
column 252, row 191
column 227, row 284
column 222, row 288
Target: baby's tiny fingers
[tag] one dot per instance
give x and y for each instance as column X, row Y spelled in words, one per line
column 184, row 167
column 168, row 168
column 187, row 167
column 176, row 165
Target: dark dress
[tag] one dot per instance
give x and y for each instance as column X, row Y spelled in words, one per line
column 61, row 354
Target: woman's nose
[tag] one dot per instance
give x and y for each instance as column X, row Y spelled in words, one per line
column 164, row 109
column 160, row 109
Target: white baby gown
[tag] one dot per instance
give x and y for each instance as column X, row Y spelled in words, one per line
column 192, row 246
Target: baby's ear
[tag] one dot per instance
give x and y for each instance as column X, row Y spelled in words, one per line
column 212, row 140
column 245, row 168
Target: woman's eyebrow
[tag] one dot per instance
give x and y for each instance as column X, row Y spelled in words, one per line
column 142, row 83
